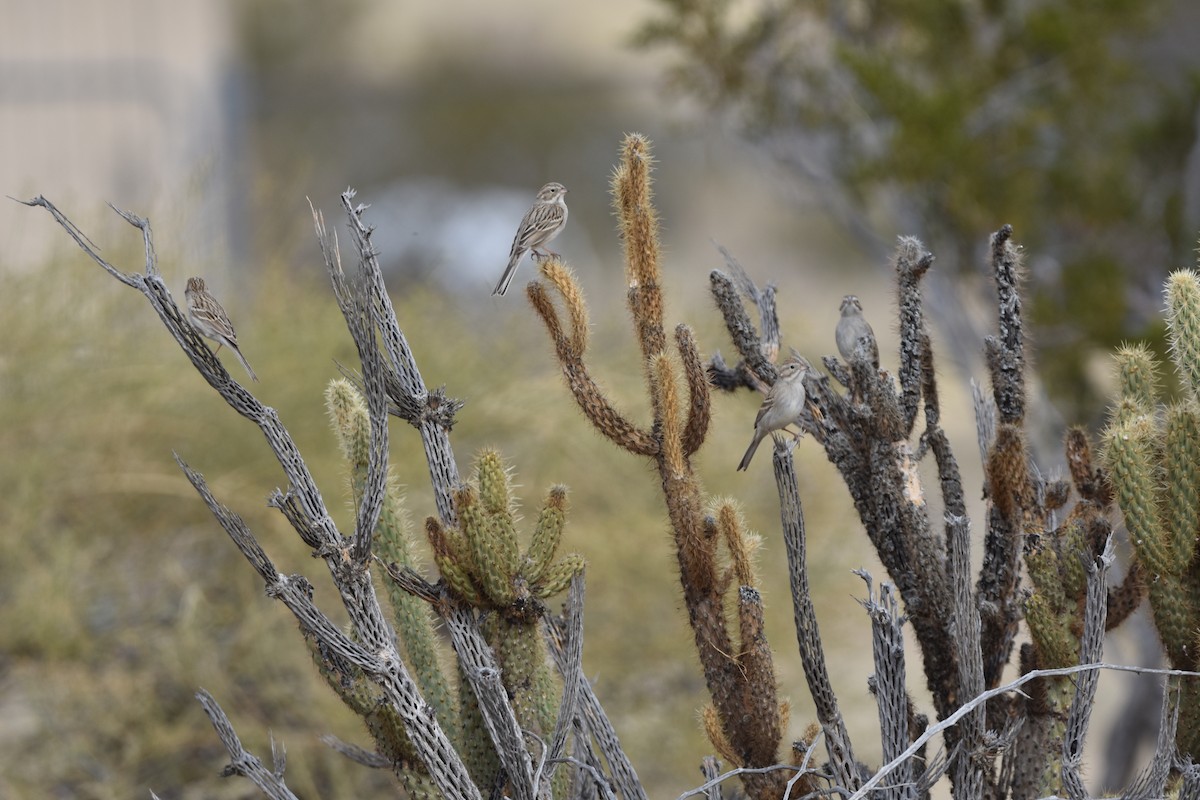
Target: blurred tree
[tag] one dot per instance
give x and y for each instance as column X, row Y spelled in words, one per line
column 1073, row 120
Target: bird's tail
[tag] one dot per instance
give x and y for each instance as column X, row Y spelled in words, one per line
column 237, row 351
column 509, row 272
column 749, row 453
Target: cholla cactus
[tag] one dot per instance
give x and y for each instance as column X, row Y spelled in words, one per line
column 1153, row 454
column 482, row 562
column 1055, row 610
column 746, row 720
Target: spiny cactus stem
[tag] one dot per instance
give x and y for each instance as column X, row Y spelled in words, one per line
column 1183, row 319
column 1008, row 361
column 587, row 393
column 699, row 394
column 912, row 261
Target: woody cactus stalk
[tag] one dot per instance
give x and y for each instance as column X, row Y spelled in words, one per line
column 393, row 544
column 1153, row 455
column 414, row 623
column 746, row 718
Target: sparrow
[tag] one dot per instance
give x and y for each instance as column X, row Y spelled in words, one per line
column 853, row 328
column 544, row 220
column 782, row 406
column 210, row 319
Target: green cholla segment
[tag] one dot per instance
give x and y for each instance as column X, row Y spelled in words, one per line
column 1074, row 574
column 547, row 534
column 1138, row 371
column 1153, row 459
column 366, row 700
column 483, row 563
column 493, row 483
column 475, row 744
column 1182, row 469
column 416, row 636
column 527, row 672
column 1130, row 454
column 485, row 551
column 1131, row 450
column 1059, row 694
column 351, row 423
column 558, row 577
column 494, row 553
column 1043, row 565
column 1051, row 633
column 1183, row 320
column 1052, row 612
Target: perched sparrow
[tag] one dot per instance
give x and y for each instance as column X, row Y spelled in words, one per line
column 542, row 222
column 210, row 319
column 783, row 405
column 852, row 328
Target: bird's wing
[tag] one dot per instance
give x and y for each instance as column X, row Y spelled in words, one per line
column 541, row 220
column 763, row 409
column 208, row 310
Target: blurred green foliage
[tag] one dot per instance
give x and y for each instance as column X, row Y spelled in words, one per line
column 1071, row 120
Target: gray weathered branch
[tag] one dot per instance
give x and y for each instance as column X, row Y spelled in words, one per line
column 242, row 762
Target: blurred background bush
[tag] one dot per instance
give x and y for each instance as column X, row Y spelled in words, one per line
column 119, row 595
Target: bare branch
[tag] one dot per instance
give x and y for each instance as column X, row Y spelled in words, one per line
column 354, row 299
column 1152, row 782
column 571, row 667
column 595, row 722
column 233, row 525
column 597, row 776
column 1091, row 649
column 734, row 773
column 968, row 769
column 808, row 636
column 710, row 768
column 985, row 425
column 1189, row 788
column 89, row 247
column 888, row 645
column 479, row 666
column 382, row 663
column 357, row 754
column 432, row 413
column 241, row 762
